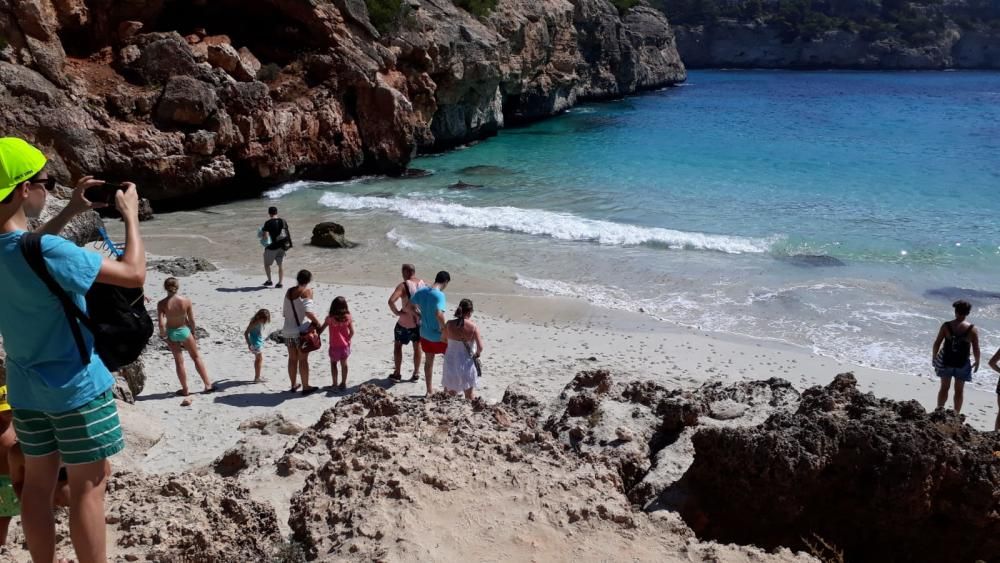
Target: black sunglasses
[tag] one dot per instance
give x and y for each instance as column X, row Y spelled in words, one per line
column 49, row 183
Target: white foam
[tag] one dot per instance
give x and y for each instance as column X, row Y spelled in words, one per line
column 563, row 226
column 602, row 296
column 401, row 241
column 285, row 189
column 292, row 187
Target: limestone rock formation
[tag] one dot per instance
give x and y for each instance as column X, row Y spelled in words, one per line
column 256, row 93
column 329, row 235
column 644, row 430
column 881, row 480
column 188, row 517
column 396, row 478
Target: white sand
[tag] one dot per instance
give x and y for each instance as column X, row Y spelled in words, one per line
column 538, row 341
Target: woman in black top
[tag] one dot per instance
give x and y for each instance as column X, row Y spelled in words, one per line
column 954, row 341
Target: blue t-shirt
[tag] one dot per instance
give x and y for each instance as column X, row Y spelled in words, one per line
column 430, row 300
column 44, row 371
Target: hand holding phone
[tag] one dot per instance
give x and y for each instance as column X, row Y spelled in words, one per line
column 105, row 193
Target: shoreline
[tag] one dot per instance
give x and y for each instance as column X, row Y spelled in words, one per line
column 540, row 342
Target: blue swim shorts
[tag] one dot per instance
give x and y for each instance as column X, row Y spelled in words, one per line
column 963, row 373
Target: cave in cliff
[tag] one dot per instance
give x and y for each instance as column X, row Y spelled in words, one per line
column 270, row 34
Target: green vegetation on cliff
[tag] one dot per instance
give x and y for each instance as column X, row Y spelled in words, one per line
column 478, row 8
column 385, row 15
column 914, row 22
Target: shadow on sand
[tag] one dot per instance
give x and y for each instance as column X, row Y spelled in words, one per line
column 247, row 289
column 275, row 398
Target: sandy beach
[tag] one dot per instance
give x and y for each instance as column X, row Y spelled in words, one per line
column 538, row 342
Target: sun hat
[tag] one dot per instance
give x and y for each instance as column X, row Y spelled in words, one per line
column 18, row 162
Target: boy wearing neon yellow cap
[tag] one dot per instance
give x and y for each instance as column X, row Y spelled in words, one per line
column 63, row 410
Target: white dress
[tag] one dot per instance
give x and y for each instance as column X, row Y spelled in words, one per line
column 459, row 369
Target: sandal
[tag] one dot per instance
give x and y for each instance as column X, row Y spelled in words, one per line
column 294, row 388
column 415, row 377
column 396, row 377
column 309, row 390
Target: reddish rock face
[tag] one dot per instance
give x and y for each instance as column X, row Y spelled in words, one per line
column 263, row 92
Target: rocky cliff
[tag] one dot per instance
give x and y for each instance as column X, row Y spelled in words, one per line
column 189, row 97
column 758, row 45
column 857, row 34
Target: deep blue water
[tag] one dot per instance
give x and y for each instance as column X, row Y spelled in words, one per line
column 688, row 203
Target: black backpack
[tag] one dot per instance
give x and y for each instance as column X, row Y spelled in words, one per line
column 118, row 318
column 955, row 351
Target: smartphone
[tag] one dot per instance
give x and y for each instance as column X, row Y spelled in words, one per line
column 105, row 193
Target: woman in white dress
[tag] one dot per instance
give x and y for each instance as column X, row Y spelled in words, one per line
column 297, row 310
column 464, row 346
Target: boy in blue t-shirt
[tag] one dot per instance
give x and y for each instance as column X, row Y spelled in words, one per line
column 63, row 410
column 433, row 304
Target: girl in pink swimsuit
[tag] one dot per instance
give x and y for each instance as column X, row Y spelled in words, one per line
column 341, row 332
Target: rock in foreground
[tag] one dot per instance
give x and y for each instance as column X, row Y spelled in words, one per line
column 403, row 479
column 879, row 479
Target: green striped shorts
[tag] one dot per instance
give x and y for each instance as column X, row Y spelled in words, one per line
column 83, row 435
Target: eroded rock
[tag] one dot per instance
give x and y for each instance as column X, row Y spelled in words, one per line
column 329, row 235
column 881, row 480
column 188, row 517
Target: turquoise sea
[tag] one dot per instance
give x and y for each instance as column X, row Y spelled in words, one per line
column 838, row 211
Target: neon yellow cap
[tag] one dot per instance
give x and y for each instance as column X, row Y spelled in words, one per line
column 4, row 405
column 18, row 162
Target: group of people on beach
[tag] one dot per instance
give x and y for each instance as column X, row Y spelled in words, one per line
column 419, row 308
column 58, row 418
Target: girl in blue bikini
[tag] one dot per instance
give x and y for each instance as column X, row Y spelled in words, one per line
column 254, row 335
column 176, row 318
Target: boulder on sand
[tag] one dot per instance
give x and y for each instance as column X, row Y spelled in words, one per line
column 330, row 235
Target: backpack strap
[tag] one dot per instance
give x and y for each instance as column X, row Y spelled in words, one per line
column 31, row 249
column 292, row 303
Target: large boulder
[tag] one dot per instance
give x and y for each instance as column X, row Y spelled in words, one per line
column 879, row 479
column 156, row 57
column 329, row 235
column 186, row 101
